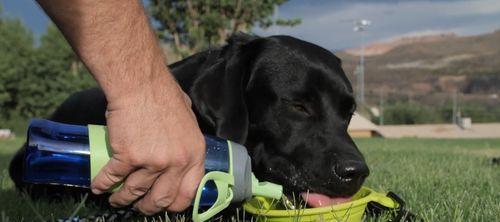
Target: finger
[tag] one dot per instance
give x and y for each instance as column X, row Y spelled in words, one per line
column 187, row 100
column 187, row 189
column 134, row 187
column 161, row 194
column 112, row 173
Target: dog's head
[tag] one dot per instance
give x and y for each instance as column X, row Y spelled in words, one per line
column 290, row 103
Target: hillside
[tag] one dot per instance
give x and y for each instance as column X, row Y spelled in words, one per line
column 379, row 48
column 429, row 69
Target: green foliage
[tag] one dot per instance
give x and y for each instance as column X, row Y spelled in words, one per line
column 57, row 72
column 194, row 25
column 479, row 112
column 35, row 80
column 16, row 123
column 408, row 113
column 402, row 112
column 16, row 55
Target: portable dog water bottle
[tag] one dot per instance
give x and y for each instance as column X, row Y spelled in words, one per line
column 72, row 155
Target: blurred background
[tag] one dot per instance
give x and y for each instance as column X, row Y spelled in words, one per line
column 426, row 76
column 419, row 68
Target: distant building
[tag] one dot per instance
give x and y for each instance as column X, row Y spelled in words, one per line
column 362, row 127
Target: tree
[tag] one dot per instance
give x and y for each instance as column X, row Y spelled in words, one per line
column 57, row 72
column 194, row 25
column 409, row 113
column 35, row 80
column 16, row 56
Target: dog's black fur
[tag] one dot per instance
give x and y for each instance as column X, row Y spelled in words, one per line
column 287, row 100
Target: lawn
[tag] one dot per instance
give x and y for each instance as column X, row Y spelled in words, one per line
column 441, row 180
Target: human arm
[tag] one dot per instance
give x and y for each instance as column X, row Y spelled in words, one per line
column 158, row 149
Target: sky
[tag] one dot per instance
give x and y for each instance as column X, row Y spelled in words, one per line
column 329, row 23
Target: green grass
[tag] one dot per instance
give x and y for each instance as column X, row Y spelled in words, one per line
column 441, row 180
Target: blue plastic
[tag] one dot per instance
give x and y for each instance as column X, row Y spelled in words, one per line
column 59, row 154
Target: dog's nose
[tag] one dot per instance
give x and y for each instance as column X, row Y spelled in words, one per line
column 353, row 172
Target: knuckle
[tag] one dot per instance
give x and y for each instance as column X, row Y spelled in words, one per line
column 135, row 190
column 159, row 164
column 163, row 202
column 177, row 160
column 135, row 160
column 117, row 201
column 112, row 177
column 182, row 159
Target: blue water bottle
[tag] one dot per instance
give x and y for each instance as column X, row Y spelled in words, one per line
column 71, row 155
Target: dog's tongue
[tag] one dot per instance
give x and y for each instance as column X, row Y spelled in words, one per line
column 321, row 200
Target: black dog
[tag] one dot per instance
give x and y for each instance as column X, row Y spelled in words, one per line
column 287, row 100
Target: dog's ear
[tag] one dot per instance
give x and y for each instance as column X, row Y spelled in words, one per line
column 218, row 93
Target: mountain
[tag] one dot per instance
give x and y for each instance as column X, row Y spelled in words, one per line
column 428, row 69
column 379, row 48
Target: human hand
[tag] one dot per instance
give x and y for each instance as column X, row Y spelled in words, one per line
column 158, row 150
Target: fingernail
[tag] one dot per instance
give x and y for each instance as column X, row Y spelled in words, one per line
column 162, row 203
column 96, row 191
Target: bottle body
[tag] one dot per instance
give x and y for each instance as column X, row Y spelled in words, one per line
column 60, row 154
column 57, row 154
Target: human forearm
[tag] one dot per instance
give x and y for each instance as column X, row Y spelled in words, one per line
column 157, row 147
column 113, row 38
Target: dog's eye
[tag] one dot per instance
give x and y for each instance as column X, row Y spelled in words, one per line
column 301, row 108
column 297, row 106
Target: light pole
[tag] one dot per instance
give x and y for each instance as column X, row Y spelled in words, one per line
column 276, row 17
column 454, row 118
column 360, row 26
column 381, row 109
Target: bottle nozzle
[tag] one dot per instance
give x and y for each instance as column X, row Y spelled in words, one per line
column 266, row 189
